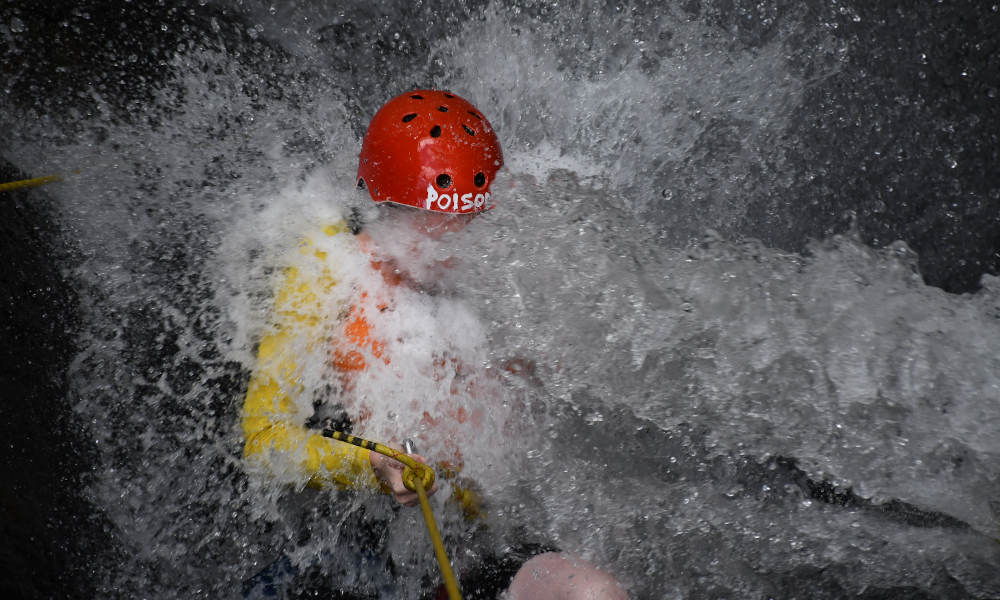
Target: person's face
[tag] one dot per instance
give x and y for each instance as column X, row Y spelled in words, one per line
column 411, row 239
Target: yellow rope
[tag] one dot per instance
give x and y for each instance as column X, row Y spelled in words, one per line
column 29, row 183
column 450, row 584
column 417, row 477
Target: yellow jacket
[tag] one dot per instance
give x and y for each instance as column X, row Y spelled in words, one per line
column 271, row 428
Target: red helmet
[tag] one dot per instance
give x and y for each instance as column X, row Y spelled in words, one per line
column 431, row 150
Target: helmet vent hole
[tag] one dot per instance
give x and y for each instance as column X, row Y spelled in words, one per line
column 417, row 97
column 444, row 180
column 443, row 108
column 436, row 131
column 447, row 95
column 361, row 184
column 475, row 115
column 409, row 117
column 467, row 130
column 479, row 180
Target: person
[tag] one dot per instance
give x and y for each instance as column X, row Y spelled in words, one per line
column 429, row 158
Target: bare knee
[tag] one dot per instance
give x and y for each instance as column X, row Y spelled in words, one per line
column 561, row 577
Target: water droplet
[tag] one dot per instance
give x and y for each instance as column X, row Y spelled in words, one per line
column 17, row 25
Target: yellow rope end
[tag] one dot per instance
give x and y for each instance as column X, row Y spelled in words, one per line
column 29, row 183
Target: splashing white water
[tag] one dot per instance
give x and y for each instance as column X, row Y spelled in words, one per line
column 653, row 383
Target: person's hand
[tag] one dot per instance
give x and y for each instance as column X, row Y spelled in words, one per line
column 390, row 472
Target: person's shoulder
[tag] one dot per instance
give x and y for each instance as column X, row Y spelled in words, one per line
column 327, row 230
column 315, row 238
column 336, row 228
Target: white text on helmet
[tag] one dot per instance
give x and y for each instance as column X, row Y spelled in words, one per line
column 455, row 202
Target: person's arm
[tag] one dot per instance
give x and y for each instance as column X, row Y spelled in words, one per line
column 271, row 431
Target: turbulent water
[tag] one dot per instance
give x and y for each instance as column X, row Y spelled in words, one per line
column 731, row 380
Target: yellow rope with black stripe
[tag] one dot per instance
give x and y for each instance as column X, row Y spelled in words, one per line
column 417, row 477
